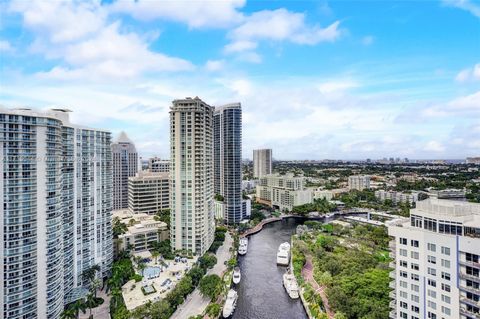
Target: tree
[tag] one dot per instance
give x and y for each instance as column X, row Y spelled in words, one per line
column 213, row 310
column 68, row 313
column 118, row 227
column 196, row 273
column 155, row 255
column 207, row 261
column 90, row 302
column 210, row 286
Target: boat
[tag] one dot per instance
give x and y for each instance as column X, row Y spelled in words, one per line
column 328, row 215
column 283, row 254
column 290, row 284
column 230, row 303
column 236, row 275
column 243, row 247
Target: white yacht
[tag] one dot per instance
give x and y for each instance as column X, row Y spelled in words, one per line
column 290, row 284
column 236, row 275
column 243, row 247
column 283, row 254
column 230, row 303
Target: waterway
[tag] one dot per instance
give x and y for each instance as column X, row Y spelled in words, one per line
column 260, row 293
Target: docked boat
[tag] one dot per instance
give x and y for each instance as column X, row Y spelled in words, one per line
column 243, row 247
column 283, row 254
column 230, row 303
column 236, row 275
column 290, row 284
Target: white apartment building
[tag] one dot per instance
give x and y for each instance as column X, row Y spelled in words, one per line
column 436, row 261
column 191, row 172
column 143, row 231
column 283, row 191
column 328, row 194
column 358, row 182
column 148, row 192
column 262, row 162
column 56, row 190
column 458, row 194
column 397, row 197
column 156, row 164
column 125, row 164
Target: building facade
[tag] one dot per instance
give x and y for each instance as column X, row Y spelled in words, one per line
column 191, row 173
column 142, row 233
column 227, row 152
column 358, row 182
column 283, row 191
column 436, row 261
column 125, row 164
column 262, row 162
column 148, row 193
column 56, row 212
column 158, row 165
column 397, row 197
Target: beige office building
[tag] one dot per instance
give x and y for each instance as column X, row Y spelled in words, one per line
column 358, row 182
column 148, row 192
column 262, row 162
column 283, row 191
column 191, row 171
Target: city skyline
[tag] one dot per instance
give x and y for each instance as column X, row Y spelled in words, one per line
column 406, row 86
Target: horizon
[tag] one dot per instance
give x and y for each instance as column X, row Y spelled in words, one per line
column 315, row 79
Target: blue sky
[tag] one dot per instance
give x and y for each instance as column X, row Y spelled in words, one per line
column 316, row 79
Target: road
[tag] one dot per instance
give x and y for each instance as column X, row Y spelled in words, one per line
column 195, row 303
column 307, row 273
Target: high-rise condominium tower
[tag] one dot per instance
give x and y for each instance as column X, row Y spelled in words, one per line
column 55, row 185
column 227, row 122
column 191, row 175
column 125, row 165
column 262, row 162
column 437, row 261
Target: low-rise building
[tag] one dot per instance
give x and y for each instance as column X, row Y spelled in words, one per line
column 283, row 191
column 397, row 197
column 456, row 194
column 328, row 194
column 158, row 165
column 436, row 261
column 148, row 192
column 142, row 231
column 358, row 182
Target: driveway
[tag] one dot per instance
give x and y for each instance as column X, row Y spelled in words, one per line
column 195, row 303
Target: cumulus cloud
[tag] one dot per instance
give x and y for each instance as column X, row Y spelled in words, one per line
column 214, row 65
column 466, row 5
column 434, row 146
column 78, row 34
column 196, row 14
column 469, row 74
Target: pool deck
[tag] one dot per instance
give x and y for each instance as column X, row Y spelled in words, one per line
column 132, row 291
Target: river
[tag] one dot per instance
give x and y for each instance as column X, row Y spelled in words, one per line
column 260, row 293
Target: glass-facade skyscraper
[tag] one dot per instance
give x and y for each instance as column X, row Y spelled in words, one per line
column 55, row 187
column 227, row 121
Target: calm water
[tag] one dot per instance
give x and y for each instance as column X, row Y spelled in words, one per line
column 260, row 293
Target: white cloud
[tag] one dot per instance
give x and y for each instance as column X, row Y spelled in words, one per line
column 434, row 146
column 239, row 46
column 283, row 25
column 5, row 46
column 196, row 14
column 78, row 34
column 337, row 85
column 214, row 65
column 368, row 40
column 61, row 20
column 467, row 5
column 469, row 74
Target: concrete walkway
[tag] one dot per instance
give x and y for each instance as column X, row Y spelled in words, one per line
column 195, row 303
column 307, row 274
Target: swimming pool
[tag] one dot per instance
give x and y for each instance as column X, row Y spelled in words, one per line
column 151, row 272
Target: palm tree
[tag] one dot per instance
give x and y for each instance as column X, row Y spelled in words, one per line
column 116, row 296
column 90, row 303
column 155, row 255
column 68, row 313
column 95, row 284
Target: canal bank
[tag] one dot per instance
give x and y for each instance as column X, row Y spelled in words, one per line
column 261, row 292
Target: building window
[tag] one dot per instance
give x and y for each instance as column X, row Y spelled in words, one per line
column 446, row 299
column 415, row 266
column 431, row 247
column 446, row 310
column 432, row 259
column 432, row 305
column 403, row 241
column 403, row 274
column 445, row 263
column 432, row 293
column 446, row 287
column 446, row 251
column 414, row 243
column 403, row 252
column 414, row 254
column 432, row 271
column 445, row 275
column 432, row 283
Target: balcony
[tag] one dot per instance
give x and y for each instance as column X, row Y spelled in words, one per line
column 469, row 314
column 392, row 254
column 392, row 274
column 392, row 285
column 469, row 289
column 392, row 264
column 470, row 302
column 465, row 276
column 470, row 263
column 393, row 314
column 393, row 304
column 392, row 294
